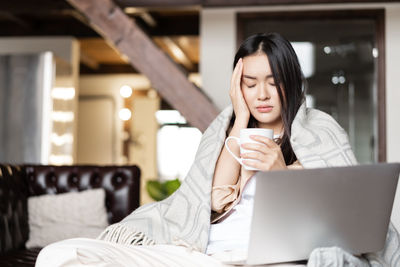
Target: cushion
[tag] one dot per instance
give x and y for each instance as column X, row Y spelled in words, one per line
column 56, row 217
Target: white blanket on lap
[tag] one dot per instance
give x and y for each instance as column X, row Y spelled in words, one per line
column 84, row 252
column 184, row 218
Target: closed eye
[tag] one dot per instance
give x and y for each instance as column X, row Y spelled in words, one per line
column 251, row 86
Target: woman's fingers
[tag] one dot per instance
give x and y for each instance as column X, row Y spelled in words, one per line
column 257, row 164
column 265, row 140
column 264, row 155
column 264, row 145
column 237, row 73
column 254, row 155
column 256, row 147
column 239, row 104
column 238, row 77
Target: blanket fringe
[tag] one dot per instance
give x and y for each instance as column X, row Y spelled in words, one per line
column 122, row 234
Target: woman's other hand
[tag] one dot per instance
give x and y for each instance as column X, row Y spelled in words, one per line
column 267, row 153
column 240, row 108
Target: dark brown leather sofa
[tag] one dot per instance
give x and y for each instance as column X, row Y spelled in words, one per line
column 17, row 183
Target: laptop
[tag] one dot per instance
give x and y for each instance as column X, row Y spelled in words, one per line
column 296, row 211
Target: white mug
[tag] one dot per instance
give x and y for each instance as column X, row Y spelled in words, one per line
column 245, row 138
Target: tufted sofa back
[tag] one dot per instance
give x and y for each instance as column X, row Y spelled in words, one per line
column 17, row 183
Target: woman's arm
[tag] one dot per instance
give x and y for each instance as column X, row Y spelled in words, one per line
column 295, row 166
column 227, row 168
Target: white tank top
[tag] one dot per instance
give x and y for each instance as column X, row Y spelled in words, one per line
column 233, row 232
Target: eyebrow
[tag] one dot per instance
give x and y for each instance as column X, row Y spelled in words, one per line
column 254, row 78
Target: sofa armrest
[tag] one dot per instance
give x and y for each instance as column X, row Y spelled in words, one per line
column 14, row 227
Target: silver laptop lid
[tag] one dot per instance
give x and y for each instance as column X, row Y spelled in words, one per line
column 298, row 211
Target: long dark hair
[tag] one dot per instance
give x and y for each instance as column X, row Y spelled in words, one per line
column 288, row 78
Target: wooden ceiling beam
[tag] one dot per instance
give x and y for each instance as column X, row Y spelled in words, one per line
column 108, row 69
column 177, row 53
column 224, row 3
column 54, row 26
column 172, row 84
column 88, row 60
column 173, row 25
column 230, row 3
column 37, row 6
column 16, row 19
column 158, row 3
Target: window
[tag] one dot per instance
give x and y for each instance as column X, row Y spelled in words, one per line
column 177, row 145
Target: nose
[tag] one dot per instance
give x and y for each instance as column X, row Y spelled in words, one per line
column 263, row 93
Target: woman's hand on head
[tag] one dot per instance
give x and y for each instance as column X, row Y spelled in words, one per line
column 267, row 153
column 240, row 108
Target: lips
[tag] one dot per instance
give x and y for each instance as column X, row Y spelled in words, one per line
column 264, row 109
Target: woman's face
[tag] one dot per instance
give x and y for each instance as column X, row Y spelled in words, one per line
column 260, row 92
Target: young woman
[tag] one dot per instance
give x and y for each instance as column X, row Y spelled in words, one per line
column 266, row 92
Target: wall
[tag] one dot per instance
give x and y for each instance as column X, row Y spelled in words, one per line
column 217, row 49
column 218, row 58
column 393, row 95
column 62, row 47
column 66, row 58
column 143, row 148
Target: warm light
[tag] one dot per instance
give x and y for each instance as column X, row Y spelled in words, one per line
column 183, row 41
column 63, row 93
column 62, row 116
column 169, row 117
column 125, row 91
column 132, row 10
column 177, row 52
column 47, row 106
column 125, row 114
column 60, row 140
column 152, row 93
column 61, row 159
column 124, row 58
column 195, row 78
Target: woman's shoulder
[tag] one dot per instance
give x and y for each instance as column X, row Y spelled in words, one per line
column 318, row 140
column 315, row 126
column 221, row 122
column 315, row 118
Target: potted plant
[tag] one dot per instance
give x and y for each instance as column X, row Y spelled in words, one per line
column 161, row 190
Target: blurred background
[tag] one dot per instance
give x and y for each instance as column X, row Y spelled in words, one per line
column 137, row 82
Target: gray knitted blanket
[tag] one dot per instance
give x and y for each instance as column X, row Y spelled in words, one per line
column 184, row 217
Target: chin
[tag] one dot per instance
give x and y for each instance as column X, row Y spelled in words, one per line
column 266, row 118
